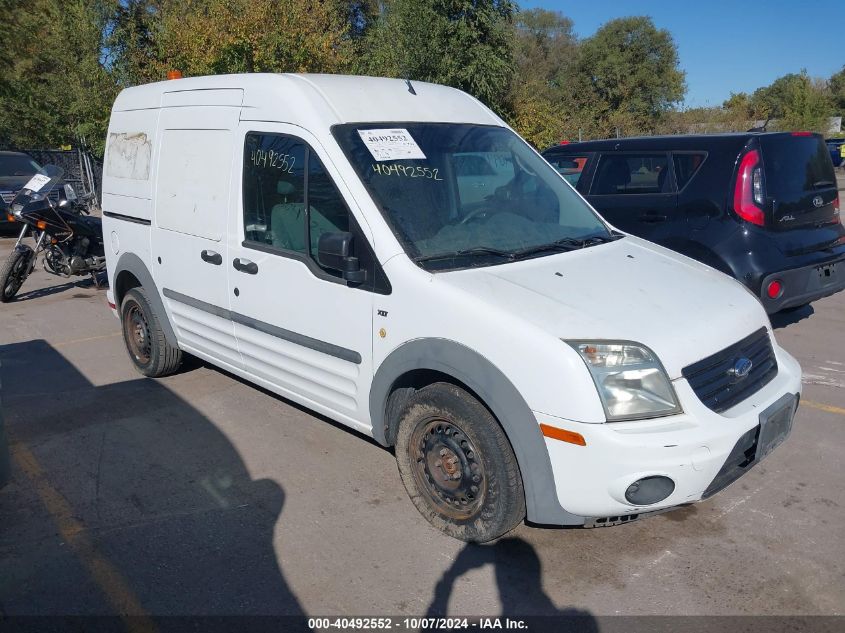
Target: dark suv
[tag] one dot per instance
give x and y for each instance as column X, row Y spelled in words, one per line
column 762, row 208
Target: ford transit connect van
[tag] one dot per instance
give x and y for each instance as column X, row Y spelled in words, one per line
column 393, row 256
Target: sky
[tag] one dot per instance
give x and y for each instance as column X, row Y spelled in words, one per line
column 728, row 46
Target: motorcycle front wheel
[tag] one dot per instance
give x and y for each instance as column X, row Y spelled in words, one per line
column 14, row 272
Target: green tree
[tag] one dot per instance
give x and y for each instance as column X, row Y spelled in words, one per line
column 55, row 88
column 545, row 49
column 206, row 37
column 462, row 43
column 627, row 76
column 836, row 83
column 795, row 101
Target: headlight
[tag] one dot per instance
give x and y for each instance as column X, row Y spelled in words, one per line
column 631, row 382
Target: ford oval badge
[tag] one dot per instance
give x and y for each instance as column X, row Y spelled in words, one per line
column 741, row 368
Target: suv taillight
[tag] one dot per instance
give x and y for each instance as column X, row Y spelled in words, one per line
column 836, row 206
column 748, row 192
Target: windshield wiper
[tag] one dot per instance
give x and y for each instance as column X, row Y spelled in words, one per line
column 466, row 252
column 566, row 244
column 823, row 183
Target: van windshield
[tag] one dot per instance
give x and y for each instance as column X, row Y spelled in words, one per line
column 460, row 195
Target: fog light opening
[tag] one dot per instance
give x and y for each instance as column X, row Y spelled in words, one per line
column 775, row 289
column 649, row 490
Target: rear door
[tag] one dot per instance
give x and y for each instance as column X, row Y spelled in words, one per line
column 635, row 191
column 800, row 182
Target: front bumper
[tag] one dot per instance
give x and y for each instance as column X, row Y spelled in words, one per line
column 805, row 284
column 691, row 449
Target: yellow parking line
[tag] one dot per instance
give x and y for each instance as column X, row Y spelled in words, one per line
column 85, row 340
column 823, row 407
column 109, row 579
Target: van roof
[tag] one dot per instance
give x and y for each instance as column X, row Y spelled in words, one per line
column 313, row 99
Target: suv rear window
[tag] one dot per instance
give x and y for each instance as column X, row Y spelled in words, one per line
column 796, row 164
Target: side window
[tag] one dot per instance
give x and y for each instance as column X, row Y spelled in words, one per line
column 631, row 174
column 686, row 165
column 327, row 210
column 274, row 191
column 569, row 166
column 283, row 208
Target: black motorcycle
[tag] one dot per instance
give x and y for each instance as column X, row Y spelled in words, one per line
column 72, row 243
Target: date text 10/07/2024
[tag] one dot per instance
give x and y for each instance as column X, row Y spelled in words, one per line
column 387, row 623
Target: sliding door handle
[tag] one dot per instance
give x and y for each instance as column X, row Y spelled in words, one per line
column 211, row 257
column 245, row 266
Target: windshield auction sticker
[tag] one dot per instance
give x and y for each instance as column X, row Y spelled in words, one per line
column 395, row 144
column 36, row 182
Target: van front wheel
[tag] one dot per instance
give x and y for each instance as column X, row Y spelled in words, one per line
column 144, row 337
column 457, row 464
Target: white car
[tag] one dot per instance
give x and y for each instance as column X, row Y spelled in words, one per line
column 313, row 235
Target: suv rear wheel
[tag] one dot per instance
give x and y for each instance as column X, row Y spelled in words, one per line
column 457, row 464
column 144, row 337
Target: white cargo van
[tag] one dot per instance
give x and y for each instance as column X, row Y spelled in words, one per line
column 393, row 256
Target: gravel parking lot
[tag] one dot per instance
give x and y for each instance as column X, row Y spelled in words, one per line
column 202, row 494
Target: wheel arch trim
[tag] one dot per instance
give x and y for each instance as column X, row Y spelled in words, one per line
column 498, row 394
column 131, row 263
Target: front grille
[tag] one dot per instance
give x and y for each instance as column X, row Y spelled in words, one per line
column 714, row 384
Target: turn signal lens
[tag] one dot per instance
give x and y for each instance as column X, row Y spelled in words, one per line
column 563, row 435
column 774, row 289
column 10, row 217
column 41, row 225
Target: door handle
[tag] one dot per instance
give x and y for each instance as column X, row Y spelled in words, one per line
column 211, row 257
column 245, row 266
column 653, row 218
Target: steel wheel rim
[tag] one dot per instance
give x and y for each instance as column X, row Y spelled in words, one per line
column 447, row 469
column 136, row 331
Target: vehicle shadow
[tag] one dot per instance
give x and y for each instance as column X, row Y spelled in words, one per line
column 790, row 317
column 125, row 494
column 39, row 293
column 519, row 580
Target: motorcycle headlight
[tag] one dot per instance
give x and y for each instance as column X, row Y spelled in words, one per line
column 631, row 381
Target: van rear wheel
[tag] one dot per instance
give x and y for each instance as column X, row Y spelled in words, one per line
column 457, row 464
column 144, row 337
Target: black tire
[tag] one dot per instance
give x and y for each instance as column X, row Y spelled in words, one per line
column 457, row 464
column 14, row 272
column 144, row 337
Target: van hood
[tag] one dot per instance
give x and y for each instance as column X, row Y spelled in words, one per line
column 628, row 290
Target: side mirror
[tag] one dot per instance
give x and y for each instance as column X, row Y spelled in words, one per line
column 333, row 252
